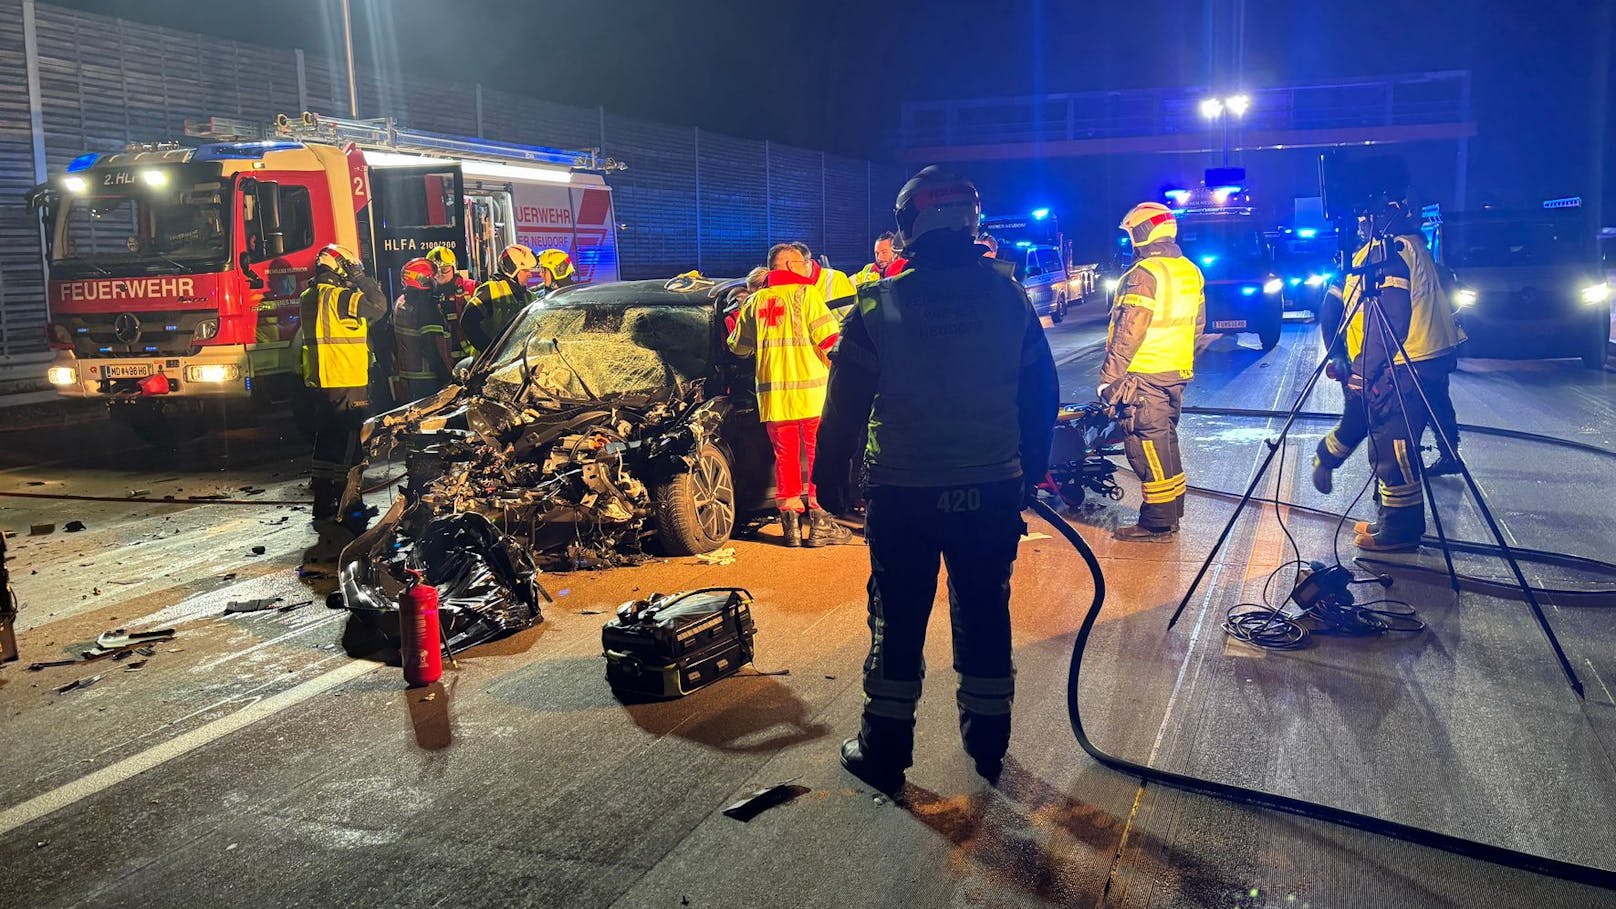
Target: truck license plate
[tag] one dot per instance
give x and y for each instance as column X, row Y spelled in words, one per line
column 1230, row 323
column 127, row 371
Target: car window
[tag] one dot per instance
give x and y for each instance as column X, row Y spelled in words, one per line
column 1049, row 261
column 573, row 352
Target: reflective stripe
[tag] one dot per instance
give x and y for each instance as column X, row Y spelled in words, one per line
column 890, row 709
column 879, row 686
column 1400, row 446
column 982, row 705
column 1407, row 496
column 988, row 686
column 335, row 352
column 791, row 385
column 1164, row 491
column 1394, row 281
column 1334, row 447
column 1169, row 343
column 1134, row 300
column 1155, row 462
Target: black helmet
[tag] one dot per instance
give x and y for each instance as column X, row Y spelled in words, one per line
column 936, row 199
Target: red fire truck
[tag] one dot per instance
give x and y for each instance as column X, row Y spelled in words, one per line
column 175, row 271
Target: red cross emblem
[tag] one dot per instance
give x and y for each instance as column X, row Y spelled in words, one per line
column 772, row 313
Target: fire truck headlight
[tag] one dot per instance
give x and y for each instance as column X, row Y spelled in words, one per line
column 75, row 184
column 1595, row 295
column 1273, row 286
column 1315, row 280
column 1464, row 297
column 212, row 373
column 207, row 329
column 154, row 178
column 1111, row 285
column 62, row 375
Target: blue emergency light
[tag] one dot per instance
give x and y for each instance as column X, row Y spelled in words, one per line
column 1307, row 233
column 1208, row 260
column 1039, row 214
column 1248, row 291
column 82, row 162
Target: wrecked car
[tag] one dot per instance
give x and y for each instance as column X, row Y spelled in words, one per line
column 607, row 420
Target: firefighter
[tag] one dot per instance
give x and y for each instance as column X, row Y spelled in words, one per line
column 1149, row 359
column 834, row 286
column 886, row 262
column 452, row 292
column 423, row 356
column 788, row 328
column 499, row 299
column 953, row 455
column 557, row 271
column 1412, row 312
column 336, row 312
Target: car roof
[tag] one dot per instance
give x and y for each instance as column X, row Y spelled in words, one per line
column 666, row 292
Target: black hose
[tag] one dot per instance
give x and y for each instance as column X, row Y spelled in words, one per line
column 1516, row 434
column 1570, row 871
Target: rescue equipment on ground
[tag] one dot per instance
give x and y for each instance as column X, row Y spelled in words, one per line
column 1086, row 436
column 669, row 645
column 419, row 647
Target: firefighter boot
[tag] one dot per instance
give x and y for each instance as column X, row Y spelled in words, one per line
column 1139, row 533
column 325, row 493
column 1445, row 466
column 824, row 530
column 1323, row 476
column 790, row 529
column 884, row 778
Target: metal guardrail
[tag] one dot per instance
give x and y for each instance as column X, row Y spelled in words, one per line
column 1404, row 100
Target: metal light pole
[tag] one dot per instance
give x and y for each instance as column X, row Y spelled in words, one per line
column 347, row 40
column 1222, row 110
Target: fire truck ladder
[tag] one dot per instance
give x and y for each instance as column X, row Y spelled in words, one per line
column 384, row 133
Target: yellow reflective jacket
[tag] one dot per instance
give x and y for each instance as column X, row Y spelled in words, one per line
column 787, row 326
column 1433, row 329
column 1174, row 294
column 336, row 353
column 834, row 287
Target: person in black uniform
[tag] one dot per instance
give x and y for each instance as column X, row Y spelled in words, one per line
column 948, row 367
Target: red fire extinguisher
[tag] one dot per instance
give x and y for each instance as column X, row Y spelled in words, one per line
column 419, row 645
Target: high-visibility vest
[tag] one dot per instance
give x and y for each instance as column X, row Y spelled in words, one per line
column 335, row 349
column 1433, row 330
column 502, row 301
column 1169, row 344
column 788, row 328
column 834, row 286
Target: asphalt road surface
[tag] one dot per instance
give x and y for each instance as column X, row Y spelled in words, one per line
column 250, row 761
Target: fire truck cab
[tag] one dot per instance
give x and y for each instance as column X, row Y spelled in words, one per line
column 175, row 272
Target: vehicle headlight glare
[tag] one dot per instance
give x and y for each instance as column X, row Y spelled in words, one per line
column 1463, row 298
column 1315, row 280
column 75, row 184
column 1598, row 293
column 62, row 375
column 1273, row 286
column 1111, row 285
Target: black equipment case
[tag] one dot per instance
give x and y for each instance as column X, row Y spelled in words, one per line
column 670, row 645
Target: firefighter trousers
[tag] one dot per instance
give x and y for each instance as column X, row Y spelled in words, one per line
column 1433, row 378
column 1151, row 444
column 974, row 531
column 1350, row 431
column 336, row 446
column 1397, row 420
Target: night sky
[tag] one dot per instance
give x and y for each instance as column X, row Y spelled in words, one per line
column 830, row 75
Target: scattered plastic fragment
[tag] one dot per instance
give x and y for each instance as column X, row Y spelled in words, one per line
column 39, row 530
column 725, row 556
column 762, row 800
column 258, row 550
column 85, row 682
column 258, row 605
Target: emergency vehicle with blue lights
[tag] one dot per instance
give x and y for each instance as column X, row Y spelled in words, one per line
column 175, row 272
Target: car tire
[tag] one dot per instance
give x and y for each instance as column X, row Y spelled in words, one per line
column 1268, row 336
column 1057, row 313
column 695, row 509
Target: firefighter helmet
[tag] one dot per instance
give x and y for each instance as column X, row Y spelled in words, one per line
column 517, row 258
column 417, row 274
column 1148, row 222
column 442, row 257
column 339, row 261
column 936, row 199
column 557, row 263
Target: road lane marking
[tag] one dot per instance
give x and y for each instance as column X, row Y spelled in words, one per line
column 107, row 777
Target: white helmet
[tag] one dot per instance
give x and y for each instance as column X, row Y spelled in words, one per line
column 1149, row 222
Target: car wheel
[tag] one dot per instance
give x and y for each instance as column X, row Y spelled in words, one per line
column 696, row 509
column 1268, row 336
column 1057, row 313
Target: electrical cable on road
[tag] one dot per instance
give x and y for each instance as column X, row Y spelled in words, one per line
column 1564, row 870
